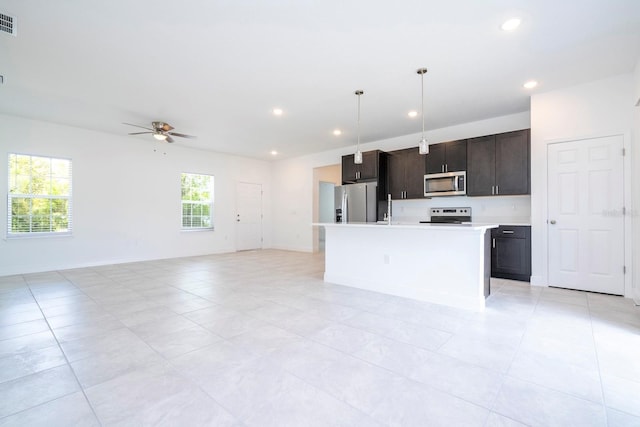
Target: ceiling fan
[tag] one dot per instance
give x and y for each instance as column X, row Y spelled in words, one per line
column 160, row 131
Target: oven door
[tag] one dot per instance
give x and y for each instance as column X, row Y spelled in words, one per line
column 445, row 184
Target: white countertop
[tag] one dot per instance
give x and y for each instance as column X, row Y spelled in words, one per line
column 457, row 227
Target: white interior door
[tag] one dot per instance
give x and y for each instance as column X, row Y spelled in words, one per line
column 585, row 215
column 248, row 216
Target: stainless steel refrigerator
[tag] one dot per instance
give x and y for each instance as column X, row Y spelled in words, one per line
column 356, row 202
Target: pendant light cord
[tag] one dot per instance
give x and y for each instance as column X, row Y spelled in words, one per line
column 358, row 92
column 423, row 145
column 422, row 102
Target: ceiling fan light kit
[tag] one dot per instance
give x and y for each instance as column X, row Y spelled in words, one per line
column 160, row 131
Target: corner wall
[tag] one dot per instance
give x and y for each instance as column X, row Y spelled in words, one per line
column 599, row 108
column 635, row 153
column 126, row 198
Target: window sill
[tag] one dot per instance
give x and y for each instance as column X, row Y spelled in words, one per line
column 196, row 230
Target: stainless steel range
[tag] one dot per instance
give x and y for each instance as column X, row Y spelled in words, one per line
column 448, row 216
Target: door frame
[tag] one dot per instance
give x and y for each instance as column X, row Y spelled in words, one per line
column 261, row 214
column 627, row 201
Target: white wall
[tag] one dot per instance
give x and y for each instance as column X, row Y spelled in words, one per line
column 598, row 108
column 294, row 177
column 635, row 153
column 126, row 198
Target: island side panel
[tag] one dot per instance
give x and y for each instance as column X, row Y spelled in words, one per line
column 439, row 265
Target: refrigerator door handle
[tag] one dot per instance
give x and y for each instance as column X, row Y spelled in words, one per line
column 345, row 211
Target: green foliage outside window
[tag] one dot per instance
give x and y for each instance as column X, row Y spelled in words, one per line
column 39, row 195
column 197, row 201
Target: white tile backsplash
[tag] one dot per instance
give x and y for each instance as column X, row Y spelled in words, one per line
column 510, row 210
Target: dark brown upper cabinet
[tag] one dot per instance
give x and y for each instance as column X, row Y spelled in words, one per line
column 499, row 165
column 447, row 157
column 369, row 170
column 405, row 178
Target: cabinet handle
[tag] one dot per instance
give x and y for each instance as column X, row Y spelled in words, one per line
column 497, row 190
column 493, row 190
column 507, row 231
column 494, row 243
column 442, row 168
column 446, row 167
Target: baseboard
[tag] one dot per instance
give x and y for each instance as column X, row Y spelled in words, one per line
column 291, row 248
column 538, row 281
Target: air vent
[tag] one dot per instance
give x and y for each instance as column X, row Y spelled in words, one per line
column 8, row 24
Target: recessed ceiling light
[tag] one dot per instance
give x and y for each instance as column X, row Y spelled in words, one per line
column 277, row 111
column 274, row 153
column 510, row 24
column 413, row 114
column 337, row 132
column 530, row 84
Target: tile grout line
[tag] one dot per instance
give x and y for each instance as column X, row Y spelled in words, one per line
column 595, row 349
column 63, row 353
column 506, row 374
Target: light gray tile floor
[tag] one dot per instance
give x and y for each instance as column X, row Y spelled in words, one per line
column 258, row 339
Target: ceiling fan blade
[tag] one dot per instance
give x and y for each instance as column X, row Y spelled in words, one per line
column 138, row 126
column 138, row 133
column 169, row 139
column 181, row 135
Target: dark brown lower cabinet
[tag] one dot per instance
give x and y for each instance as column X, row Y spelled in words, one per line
column 511, row 252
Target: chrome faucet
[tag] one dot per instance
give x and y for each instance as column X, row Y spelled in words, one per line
column 388, row 214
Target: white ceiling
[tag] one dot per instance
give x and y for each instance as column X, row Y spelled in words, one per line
column 217, row 68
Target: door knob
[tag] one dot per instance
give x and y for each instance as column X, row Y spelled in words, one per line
column 553, row 221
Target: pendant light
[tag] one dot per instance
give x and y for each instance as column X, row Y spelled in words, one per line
column 423, row 145
column 357, row 158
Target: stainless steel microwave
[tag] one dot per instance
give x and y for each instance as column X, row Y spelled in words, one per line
column 445, row 184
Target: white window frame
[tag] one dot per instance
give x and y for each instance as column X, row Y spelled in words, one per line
column 204, row 202
column 31, row 196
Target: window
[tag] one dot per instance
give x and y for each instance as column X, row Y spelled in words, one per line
column 197, row 201
column 39, row 196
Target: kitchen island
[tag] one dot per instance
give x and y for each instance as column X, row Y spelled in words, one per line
column 446, row 264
